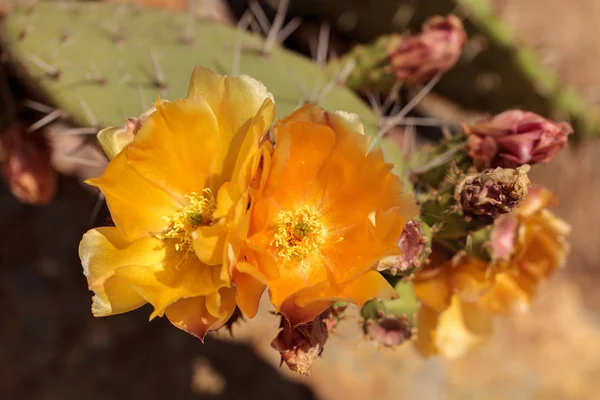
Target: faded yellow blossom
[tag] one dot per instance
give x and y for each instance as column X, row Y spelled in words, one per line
column 175, row 192
column 459, row 297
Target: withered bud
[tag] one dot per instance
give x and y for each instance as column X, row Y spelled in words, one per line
column 493, row 192
column 389, row 331
column 26, row 164
column 300, row 346
column 514, row 138
column 436, row 49
column 412, row 244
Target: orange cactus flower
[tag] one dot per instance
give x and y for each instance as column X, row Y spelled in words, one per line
column 323, row 216
column 174, row 192
column 460, row 297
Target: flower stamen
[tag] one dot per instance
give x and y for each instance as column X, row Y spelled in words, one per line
column 197, row 213
column 298, row 233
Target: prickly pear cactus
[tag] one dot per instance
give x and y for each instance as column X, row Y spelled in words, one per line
column 102, row 62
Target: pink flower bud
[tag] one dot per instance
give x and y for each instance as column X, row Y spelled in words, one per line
column 516, row 137
column 436, row 49
column 26, row 164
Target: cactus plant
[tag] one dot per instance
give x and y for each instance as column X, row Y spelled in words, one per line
column 101, row 63
column 110, row 63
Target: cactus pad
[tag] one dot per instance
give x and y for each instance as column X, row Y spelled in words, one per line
column 102, row 62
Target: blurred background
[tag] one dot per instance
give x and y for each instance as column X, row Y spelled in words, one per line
column 52, row 348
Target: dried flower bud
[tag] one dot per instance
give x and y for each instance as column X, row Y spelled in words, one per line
column 436, row 49
column 493, row 192
column 515, row 138
column 301, row 345
column 26, row 164
column 414, row 242
column 389, row 331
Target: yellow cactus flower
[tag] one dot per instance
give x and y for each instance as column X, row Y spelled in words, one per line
column 459, row 297
column 323, row 216
column 450, row 321
column 540, row 250
column 174, row 192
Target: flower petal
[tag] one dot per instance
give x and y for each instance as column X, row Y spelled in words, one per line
column 310, row 302
column 512, row 292
column 249, row 291
column 358, row 247
column 102, row 251
column 297, row 315
column 351, row 121
column 302, row 148
column 179, row 275
column 296, row 275
column 360, row 290
column 461, row 327
column 137, row 206
column 244, row 172
column 427, row 320
column 179, row 138
column 435, row 291
column 209, row 242
column 191, row 314
column 234, row 101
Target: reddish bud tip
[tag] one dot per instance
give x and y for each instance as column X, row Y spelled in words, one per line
column 436, row 49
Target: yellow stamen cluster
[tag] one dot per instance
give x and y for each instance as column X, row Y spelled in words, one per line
column 197, row 213
column 298, row 233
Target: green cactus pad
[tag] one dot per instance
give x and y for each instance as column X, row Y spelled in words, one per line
column 101, row 63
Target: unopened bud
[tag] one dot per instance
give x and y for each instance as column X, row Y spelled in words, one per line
column 435, row 50
column 514, row 138
column 493, row 192
column 26, row 164
column 413, row 243
column 300, row 346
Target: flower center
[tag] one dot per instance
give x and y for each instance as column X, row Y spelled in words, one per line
column 197, row 213
column 298, row 233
